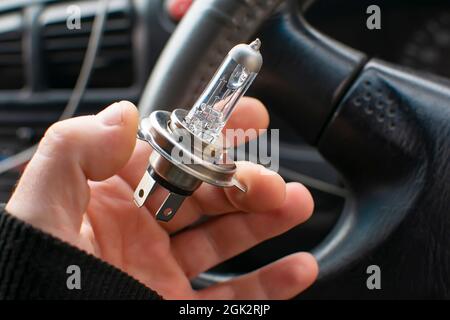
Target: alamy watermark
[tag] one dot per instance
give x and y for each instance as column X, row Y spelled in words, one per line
column 73, row 21
column 73, row 281
column 257, row 146
column 373, row 22
column 373, row 282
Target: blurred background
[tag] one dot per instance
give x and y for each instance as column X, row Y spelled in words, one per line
column 40, row 60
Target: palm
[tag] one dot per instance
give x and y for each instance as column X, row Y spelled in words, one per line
column 130, row 239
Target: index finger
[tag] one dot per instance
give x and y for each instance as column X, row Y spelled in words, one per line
column 250, row 113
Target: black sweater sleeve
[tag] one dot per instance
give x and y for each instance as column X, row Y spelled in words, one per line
column 34, row 265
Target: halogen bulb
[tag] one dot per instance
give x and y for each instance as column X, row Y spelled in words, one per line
column 181, row 165
column 212, row 110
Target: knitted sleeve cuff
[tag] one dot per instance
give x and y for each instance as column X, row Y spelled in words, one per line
column 35, row 265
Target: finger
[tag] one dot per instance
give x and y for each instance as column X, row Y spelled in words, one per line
column 251, row 117
column 133, row 171
column 53, row 192
column 282, row 279
column 249, row 113
column 266, row 190
column 126, row 237
column 200, row 248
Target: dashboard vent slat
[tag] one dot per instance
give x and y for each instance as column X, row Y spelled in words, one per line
column 64, row 49
column 11, row 62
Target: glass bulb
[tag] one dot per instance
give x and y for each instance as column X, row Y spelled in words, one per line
column 212, row 110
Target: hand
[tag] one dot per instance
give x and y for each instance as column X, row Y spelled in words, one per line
column 79, row 187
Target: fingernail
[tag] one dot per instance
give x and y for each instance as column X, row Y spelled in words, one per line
column 112, row 115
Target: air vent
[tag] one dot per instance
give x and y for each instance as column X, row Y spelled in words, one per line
column 11, row 65
column 64, row 49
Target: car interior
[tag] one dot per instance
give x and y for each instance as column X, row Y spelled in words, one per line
column 363, row 115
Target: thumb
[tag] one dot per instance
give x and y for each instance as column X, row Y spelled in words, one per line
column 53, row 192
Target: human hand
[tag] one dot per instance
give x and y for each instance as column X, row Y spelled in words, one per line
column 79, row 188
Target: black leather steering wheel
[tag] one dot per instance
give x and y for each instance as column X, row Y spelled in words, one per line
column 386, row 129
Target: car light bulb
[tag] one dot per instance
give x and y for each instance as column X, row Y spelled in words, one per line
column 215, row 105
column 186, row 148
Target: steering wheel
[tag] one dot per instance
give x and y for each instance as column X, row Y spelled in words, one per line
column 384, row 128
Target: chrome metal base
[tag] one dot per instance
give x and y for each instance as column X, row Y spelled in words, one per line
column 180, row 162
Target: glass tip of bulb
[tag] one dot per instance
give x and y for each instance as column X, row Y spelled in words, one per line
column 213, row 108
column 256, row 44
